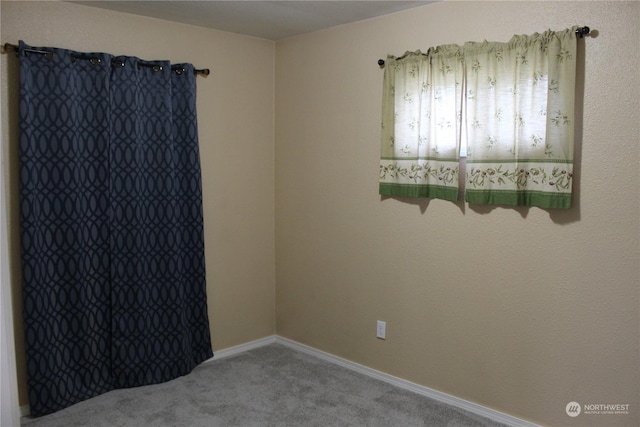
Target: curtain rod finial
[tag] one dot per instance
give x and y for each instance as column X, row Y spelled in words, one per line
column 583, row 31
column 381, row 63
column 8, row 47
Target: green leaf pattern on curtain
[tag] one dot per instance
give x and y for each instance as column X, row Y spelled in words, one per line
column 421, row 124
column 520, row 109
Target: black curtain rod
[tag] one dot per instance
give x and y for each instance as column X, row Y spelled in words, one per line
column 8, row 47
column 580, row 33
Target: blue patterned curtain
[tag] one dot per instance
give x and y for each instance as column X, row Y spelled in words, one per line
column 111, row 224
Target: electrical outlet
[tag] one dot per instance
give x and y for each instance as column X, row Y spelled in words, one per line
column 381, row 330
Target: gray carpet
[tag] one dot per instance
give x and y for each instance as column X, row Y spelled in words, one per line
column 272, row 385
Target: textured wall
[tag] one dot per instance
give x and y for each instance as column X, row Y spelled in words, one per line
column 235, row 105
column 521, row 310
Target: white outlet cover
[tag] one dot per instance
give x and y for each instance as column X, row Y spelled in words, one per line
column 381, row 331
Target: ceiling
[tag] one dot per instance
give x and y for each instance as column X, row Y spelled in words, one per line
column 272, row 20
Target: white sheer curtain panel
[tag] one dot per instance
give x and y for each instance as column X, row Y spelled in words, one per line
column 422, row 97
column 520, row 120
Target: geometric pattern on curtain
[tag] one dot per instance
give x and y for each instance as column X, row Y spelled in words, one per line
column 114, row 291
column 520, row 120
column 510, row 104
column 422, row 97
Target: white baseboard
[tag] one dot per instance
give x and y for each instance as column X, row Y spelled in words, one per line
column 230, row 351
column 448, row 399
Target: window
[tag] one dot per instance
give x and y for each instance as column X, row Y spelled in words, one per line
column 507, row 106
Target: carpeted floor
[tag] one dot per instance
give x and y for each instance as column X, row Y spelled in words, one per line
column 272, row 385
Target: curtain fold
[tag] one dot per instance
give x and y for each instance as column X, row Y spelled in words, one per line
column 111, row 225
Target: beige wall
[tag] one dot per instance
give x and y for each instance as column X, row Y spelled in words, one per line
column 235, row 105
column 520, row 310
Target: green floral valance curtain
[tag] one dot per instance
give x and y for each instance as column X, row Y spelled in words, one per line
column 511, row 104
